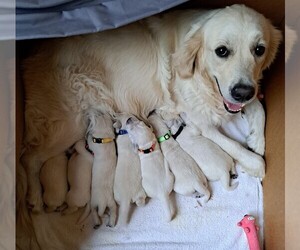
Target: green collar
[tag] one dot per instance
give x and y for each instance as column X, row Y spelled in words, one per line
column 164, row 137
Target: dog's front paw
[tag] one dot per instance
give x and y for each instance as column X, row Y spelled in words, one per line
column 254, row 165
column 256, row 142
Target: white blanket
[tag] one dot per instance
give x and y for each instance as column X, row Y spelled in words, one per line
column 211, row 226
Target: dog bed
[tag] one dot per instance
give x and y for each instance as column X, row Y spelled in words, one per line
column 210, row 226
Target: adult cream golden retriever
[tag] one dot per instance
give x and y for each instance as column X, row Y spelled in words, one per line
column 204, row 63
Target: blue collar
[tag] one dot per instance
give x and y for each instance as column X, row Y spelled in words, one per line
column 122, row 132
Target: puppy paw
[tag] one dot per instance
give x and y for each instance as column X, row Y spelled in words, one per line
column 256, row 142
column 35, row 202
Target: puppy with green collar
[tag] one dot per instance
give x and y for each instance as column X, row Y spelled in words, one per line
column 189, row 179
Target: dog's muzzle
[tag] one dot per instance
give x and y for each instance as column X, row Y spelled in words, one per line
column 230, row 107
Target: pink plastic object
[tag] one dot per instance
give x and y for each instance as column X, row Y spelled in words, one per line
column 250, row 229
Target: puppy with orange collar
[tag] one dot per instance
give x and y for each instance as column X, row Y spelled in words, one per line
column 101, row 138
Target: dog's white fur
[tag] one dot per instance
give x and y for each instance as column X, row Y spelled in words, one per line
column 53, row 178
column 164, row 62
column 128, row 179
column 157, row 180
column 189, row 179
column 104, row 166
column 214, row 162
column 79, row 178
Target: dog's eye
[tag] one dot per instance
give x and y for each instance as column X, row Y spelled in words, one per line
column 222, row 51
column 259, row 50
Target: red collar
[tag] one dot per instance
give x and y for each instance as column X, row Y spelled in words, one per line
column 148, row 150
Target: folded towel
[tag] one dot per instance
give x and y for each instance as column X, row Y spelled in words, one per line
column 211, row 226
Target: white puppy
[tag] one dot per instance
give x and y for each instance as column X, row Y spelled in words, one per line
column 214, row 162
column 53, row 178
column 128, row 180
column 79, row 178
column 189, row 179
column 157, row 179
column 101, row 141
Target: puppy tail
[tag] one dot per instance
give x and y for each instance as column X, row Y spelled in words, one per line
column 168, row 207
column 123, row 217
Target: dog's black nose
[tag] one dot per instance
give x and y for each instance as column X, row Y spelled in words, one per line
column 241, row 92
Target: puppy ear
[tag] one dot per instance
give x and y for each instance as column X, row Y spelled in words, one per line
column 184, row 117
column 275, row 39
column 135, row 147
column 131, row 121
column 117, row 125
column 184, row 59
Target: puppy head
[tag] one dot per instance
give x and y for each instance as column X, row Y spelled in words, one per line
column 139, row 133
column 230, row 49
column 100, row 125
column 174, row 124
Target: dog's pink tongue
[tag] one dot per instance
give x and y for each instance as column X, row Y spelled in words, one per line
column 233, row 106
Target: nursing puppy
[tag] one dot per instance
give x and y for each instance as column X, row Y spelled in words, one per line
column 128, row 179
column 207, row 63
column 213, row 161
column 189, row 179
column 79, row 178
column 101, row 141
column 53, row 178
column 157, row 180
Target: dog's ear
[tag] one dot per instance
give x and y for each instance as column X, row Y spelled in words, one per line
column 184, row 59
column 275, row 39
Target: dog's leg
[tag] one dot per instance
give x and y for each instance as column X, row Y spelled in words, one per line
column 255, row 115
column 250, row 162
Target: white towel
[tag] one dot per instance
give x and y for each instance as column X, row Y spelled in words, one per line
column 212, row 226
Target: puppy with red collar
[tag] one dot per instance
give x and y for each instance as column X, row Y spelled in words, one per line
column 157, row 179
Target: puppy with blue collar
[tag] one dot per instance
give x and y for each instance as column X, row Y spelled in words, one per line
column 128, row 179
